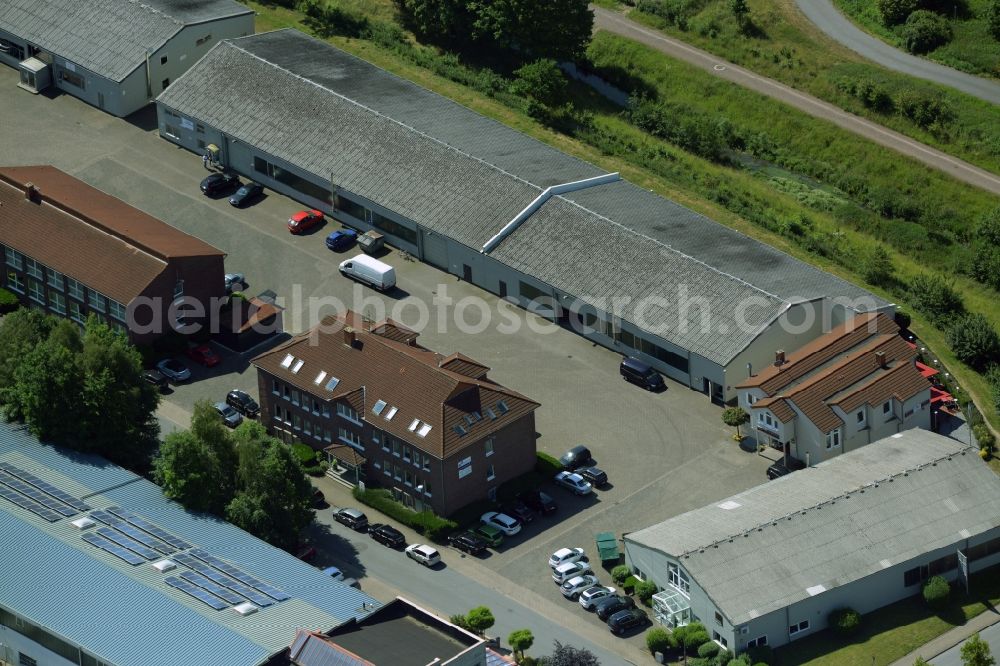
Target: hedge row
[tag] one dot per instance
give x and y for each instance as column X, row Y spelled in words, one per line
column 432, row 526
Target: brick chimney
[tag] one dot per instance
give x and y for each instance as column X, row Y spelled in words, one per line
column 880, row 360
column 779, row 357
column 349, row 336
column 32, row 193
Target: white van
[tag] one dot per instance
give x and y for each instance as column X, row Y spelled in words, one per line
column 369, row 271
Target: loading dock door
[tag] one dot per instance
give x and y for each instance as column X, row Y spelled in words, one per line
column 435, row 249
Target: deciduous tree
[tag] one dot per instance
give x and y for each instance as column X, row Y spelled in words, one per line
column 567, row 655
column 480, row 619
column 519, row 641
column 976, row 652
column 735, row 416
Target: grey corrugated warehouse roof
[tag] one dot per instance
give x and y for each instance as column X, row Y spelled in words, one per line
column 127, row 615
column 832, row 524
column 108, row 37
column 465, row 176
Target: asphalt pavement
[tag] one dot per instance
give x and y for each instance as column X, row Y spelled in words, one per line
column 953, row 657
column 841, row 29
column 959, row 169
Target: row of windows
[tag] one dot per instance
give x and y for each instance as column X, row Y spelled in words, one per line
column 394, row 471
column 401, row 450
column 679, row 579
column 297, row 183
column 949, row 562
column 46, row 640
column 303, row 399
column 356, row 210
column 797, row 628
column 56, row 281
column 635, row 342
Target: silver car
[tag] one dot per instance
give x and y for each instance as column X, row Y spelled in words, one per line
column 230, row 416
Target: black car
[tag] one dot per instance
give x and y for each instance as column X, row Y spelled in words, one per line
column 247, row 193
column 597, row 477
column 467, row 542
column 156, row 378
column 217, row 183
column 352, row 518
column 243, row 403
column 519, row 510
column 781, row 468
column 538, row 501
column 627, row 619
column 641, row 374
column 608, row 606
column 387, row 535
column 578, row 456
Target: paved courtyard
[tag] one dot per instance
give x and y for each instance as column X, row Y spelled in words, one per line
column 664, row 453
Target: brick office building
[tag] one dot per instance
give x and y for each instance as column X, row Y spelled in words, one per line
column 72, row 251
column 435, row 429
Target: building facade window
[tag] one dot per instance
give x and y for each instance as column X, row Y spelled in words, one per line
column 295, row 396
column 74, row 288
column 427, row 463
column 36, row 292
column 307, row 427
column 57, row 302
column 178, row 289
column 347, row 412
column 25, row 660
column 887, row 408
column 833, row 439
column 387, row 468
column 76, row 312
column 397, row 472
column 488, row 446
column 73, row 79
column 14, row 258
column 281, row 175
column 796, row 628
column 116, row 310
column 861, row 419
column 350, row 438
column 718, row 638
column 407, row 477
column 96, row 301
column 56, row 280
column 15, row 282
column 325, row 409
column 296, row 422
column 396, row 447
column 679, row 579
column 760, row 641
column 718, row 617
column 427, row 488
column 33, row 268
column 275, row 387
column 490, row 473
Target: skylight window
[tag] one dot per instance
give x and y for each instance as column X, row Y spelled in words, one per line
column 413, row 425
column 477, row 416
column 319, row 378
column 460, row 430
column 389, row 414
column 502, row 407
column 297, row 366
column 332, row 383
column 378, row 407
column 287, row 361
column 490, row 413
column 424, row 429
column 468, row 420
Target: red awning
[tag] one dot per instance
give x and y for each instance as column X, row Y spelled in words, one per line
column 926, row 370
column 937, row 395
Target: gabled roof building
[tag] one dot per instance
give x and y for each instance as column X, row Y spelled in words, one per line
column 433, row 428
column 114, row 54
column 862, row 530
column 624, row 267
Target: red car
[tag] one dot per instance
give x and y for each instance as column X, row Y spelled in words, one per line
column 304, row 220
column 203, row 354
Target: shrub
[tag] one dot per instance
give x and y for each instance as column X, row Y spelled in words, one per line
column 628, row 585
column 542, row 81
column 993, row 376
column 984, row 437
column 845, row 621
column 8, row 301
column 924, row 110
column 304, row 453
column 479, row 619
column 690, row 637
column 974, row 341
column 936, row 592
column 709, row 650
column 645, row 589
column 546, row 465
column 761, row 654
column 935, row 298
column 620, row 573
column 327, row 19
column 427, row 523
column 903, row 319
column 986, row 266
column 876, row 266
column 924, row 31
column 895, row 11
column 992, row 16
column 658, row 640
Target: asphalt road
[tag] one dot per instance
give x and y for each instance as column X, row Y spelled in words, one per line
column 958, row 169
column 829, row 19
column 953, row 657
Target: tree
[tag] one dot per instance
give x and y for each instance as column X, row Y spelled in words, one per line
column 895, row 11
column 921, row 662
column 567, row 655
column 741, row 12
column 986, row 265
column 976, row 652
column 876, row 266
column 480, row 619
column 735, row 417
column 541, row 80
column 924, row 31
column 187, row 470
column 519, row 641
column 992, row 15
column 935, row 298
column 936, row 592
column 20, row 331
column 975, row 341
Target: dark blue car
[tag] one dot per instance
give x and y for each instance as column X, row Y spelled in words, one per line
column 341, row 239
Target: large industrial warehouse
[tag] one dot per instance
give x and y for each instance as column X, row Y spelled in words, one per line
column 484, row 202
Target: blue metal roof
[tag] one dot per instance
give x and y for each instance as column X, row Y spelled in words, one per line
column 127, row 614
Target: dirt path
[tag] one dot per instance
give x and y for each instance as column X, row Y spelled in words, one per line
column 959, row 169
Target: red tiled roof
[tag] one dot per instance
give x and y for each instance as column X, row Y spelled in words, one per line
column 406, row 377
column 823, row 349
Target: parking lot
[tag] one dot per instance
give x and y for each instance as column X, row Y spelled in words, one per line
column 664, row 453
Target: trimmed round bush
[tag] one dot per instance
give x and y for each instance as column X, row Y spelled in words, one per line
column 547, row 465
column 645, row 589
column 620, row 573
column 658, row 640
column 936, row 592
column 845, row 621
column 983, row 435
column 709, row 650
column 924, row 31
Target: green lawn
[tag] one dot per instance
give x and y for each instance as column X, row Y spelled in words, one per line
column 892, row 632
column 972, row 49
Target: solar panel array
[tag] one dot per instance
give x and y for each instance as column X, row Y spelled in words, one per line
column 39, row 497
column 29, row 504
column 113, row 548
column 146, row 526
column 196, row 592
column 125, row 542
column 233, row 572
column 133, row 532
column 221, row 579
column 64, row 497
column 216, row 589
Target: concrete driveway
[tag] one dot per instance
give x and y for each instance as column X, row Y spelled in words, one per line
column 664, row 453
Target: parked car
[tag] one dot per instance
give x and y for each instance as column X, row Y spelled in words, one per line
column 627, row 619
column 781, row 468
column 174, row 370
column 538, row 501
column 608, row 606
column 641, row 374
column 519, row 510
column 341, row 239
column 351, row 518
column 567, row 570
column 203, row 354
column 319, row 499
column 304, row 220
column 217, row 183
column 156, row 378
column 367, row 270
column 573, row 481
column 592, row 595
column 425, row 555
column 578, row 456
column 248, row 192
column 489, row 534
column 229, row 415
column 572, row 588
column 334, row 572
column 235, row 282
column 565, row 555
column 387, row 535
column 467, row 542
column 509, row 526
column 243, row 403
column 595, row 476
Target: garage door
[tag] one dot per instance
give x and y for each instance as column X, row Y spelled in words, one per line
column 435, row 249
